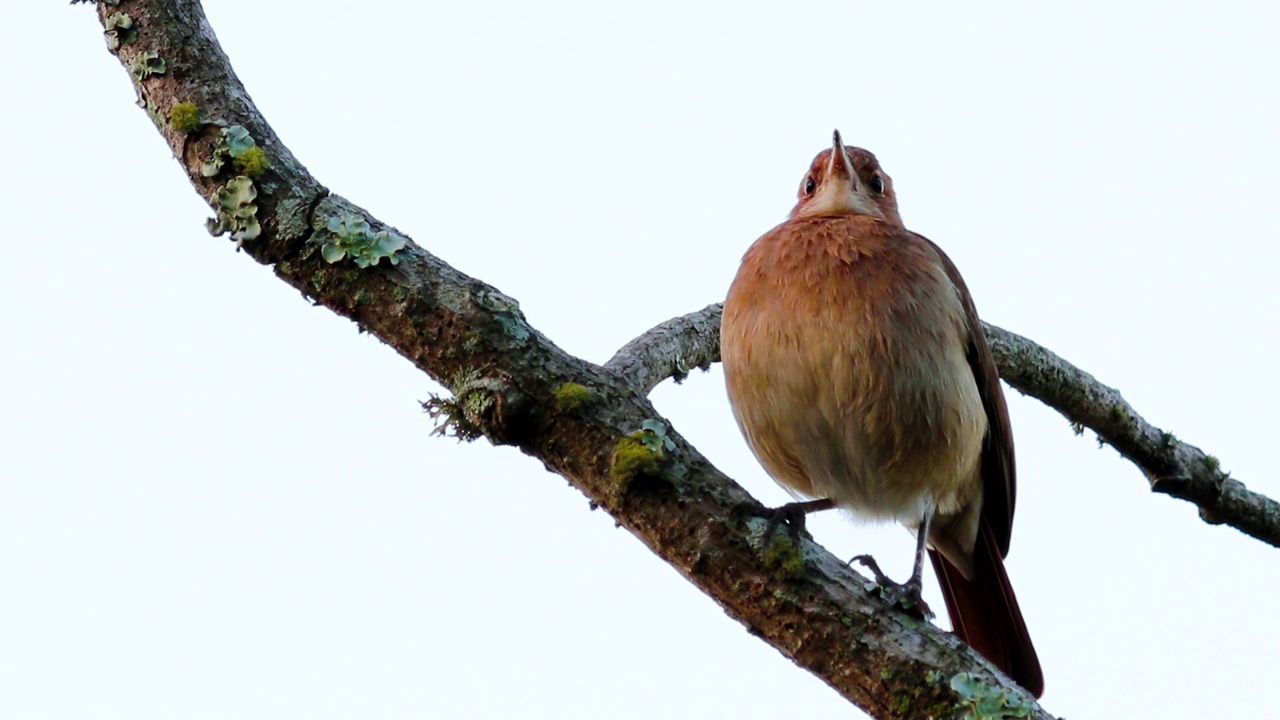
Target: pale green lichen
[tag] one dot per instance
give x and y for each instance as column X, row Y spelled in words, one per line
column 120, row 31
column 980, row 701
column 237, row 139
column 461, row 416
column 352, row 236
column 450, row 419
column 237, row 213
column 654, row 435
column 214, row 164
column 145, row 64
column 234, row 142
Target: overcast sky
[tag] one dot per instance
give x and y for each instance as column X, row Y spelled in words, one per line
column 218, row 501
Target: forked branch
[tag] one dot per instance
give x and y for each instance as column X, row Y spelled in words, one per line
column 1172, row 467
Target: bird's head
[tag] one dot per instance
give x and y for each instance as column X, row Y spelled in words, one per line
column 845, row 180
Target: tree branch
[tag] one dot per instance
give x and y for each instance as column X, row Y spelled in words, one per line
column 514, row 386
column 1172, row 467
column 670, row 350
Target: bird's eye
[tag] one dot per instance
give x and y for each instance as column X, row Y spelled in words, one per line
column 877, row 184
column 810, row 185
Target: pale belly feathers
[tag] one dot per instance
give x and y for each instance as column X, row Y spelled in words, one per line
column 857, row 387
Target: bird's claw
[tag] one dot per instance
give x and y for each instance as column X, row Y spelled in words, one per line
column 791, row 515
column 907, row 597
column 870, row 563
column 904, row 596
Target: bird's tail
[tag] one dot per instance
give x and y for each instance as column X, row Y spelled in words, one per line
column 985, row 614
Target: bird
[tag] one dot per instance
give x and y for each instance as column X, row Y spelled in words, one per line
column 859, row 375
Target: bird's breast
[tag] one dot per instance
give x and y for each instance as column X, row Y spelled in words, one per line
column 845, row 352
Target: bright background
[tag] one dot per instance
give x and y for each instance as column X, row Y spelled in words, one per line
column 218, row 501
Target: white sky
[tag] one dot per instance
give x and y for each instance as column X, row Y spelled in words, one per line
column 218, row 501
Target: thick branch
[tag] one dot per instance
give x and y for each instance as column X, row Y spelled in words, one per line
column 512, row 385
column 1173, row 467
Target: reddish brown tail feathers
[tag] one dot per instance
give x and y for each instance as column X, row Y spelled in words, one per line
column 985, row 613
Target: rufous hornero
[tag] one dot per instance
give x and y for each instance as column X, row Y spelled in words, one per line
column 860, row 376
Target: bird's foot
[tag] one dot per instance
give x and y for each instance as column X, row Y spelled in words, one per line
column 792, row 515
column 789, row 515
column 905, row 596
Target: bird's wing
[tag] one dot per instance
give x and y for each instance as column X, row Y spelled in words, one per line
column 998, row 481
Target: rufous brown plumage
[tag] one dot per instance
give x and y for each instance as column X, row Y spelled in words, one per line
column 858, row 372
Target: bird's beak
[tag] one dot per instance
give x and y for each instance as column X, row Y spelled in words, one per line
column 839, row 164
column 839, row 191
